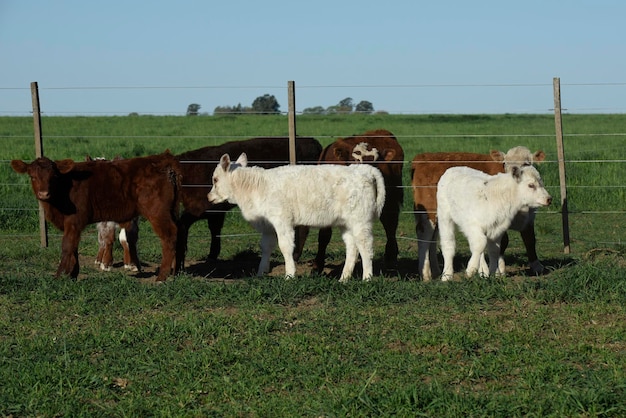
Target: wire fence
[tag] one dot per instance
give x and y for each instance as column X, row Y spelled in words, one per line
column 51, row 109
column 582, row 97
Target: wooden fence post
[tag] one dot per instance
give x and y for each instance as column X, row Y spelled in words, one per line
column 561, row 159
column 292, row 121
column 34, row 92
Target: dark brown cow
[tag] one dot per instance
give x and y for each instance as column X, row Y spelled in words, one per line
column 197, row 167
column 381, row 149
column 427, row 168
column 75, row 194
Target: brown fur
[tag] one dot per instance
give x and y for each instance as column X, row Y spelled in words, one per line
column 390, row 163
column 72, row 196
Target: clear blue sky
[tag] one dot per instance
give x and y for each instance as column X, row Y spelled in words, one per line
column 238, row 50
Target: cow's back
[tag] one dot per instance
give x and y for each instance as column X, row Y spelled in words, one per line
column 124, row 188
column 198, row 165
column 427, row 169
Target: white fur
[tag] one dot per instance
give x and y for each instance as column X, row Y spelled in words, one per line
column 275, row 200
column 428, row 265
column 360, row 151
column 483, row 207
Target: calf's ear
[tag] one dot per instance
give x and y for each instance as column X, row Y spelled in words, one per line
column 64, row 166
column 388, row 154
column 225, row 162
column 242, row 160
column 516, row 172
column 496, row 155
column 19, row 166
column 539, row 156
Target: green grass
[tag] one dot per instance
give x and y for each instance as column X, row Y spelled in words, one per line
column 551, row 346
column 110, row 344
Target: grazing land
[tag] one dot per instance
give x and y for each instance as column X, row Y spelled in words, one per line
column 216, row 341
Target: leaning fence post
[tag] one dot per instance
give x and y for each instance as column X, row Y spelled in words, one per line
column 561, row 158
column 291, row 92
column 34, row 92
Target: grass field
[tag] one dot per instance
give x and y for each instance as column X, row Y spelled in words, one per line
column 214, row 343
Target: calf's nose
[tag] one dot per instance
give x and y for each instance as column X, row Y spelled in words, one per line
column 43, row 195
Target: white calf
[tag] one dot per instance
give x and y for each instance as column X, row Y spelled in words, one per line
column 275, row 200
column 483, row 207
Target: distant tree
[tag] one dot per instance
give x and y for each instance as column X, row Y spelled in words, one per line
column 317, row 110
column 193, row 109
column 228, row 110
column 133, row 114
column 265, row 104
column 345, row 106
column 364, row 107
column 331, row 110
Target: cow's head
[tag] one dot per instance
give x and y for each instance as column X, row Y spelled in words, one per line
column 221, row 189
column 44, row 174
column 530, row 186
column 517, row 157
column 360, row 153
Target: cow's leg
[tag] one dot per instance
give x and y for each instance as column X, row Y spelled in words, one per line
column 426, row 248
column 351, row 255
column 477, row 243
column 504, row 243
column 166, row 228
column 268, row 243
column 323, row 239
column 128, row 237
column 365, row 245
column 448, row 246
column 496, row 263
column 215, row 220
column 106, row 237
column 302, row 232
column 184, row 223
column 389, row 219
column 530, row 242
column 286, row 236
column 69, row 251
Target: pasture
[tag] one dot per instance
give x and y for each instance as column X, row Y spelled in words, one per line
column 215, row 341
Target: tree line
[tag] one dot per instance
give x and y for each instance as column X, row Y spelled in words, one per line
column 267, row 104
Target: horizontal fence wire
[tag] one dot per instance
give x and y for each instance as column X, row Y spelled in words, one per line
column 342, row 86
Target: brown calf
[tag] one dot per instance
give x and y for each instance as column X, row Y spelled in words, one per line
column 427, row 168
column 72, row 195
column 128, row 236
column 197, row 167
column 381, row 149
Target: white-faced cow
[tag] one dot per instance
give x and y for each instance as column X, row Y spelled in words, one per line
column 426, row 170
column 483, row 207
column 128, row 237
column 197, row 167
column 75, row 194
column 381, row 149
column 275, row 200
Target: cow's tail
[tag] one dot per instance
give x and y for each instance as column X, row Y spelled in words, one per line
column 175, row 177
column 380, row 191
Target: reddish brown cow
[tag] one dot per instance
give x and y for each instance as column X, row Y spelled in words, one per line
column 381, row 149
column 197, row 167
column 128, row 237
column 427, row 168
column 75, row 194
